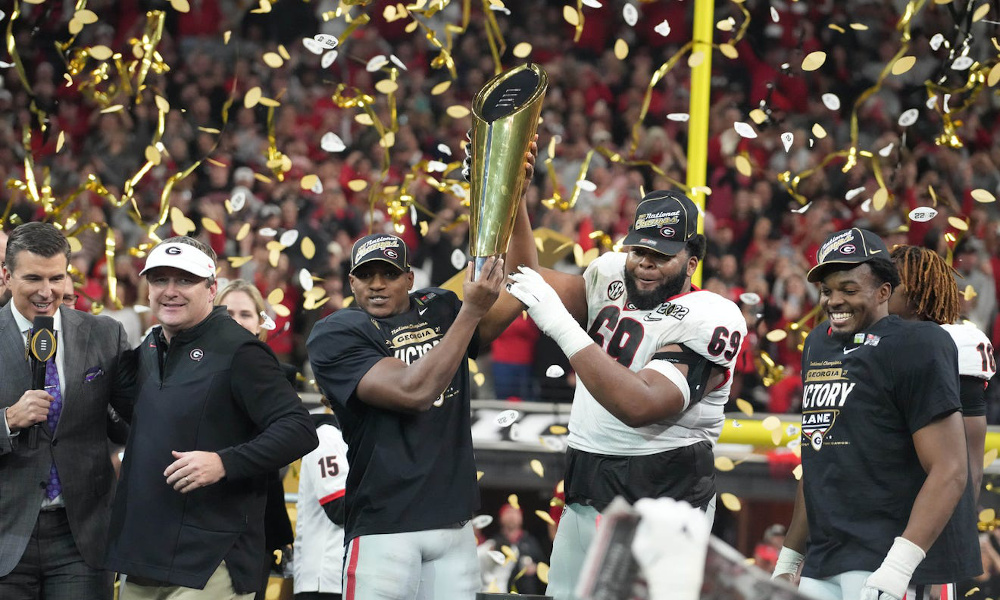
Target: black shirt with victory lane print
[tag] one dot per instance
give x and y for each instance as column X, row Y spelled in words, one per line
column 408, row 471
column 864, row 396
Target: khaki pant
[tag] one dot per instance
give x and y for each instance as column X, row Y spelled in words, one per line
column 219, row 587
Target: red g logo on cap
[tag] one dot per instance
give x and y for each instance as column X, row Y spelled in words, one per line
column 390, row 253
column 667, row 232
column 848, row 249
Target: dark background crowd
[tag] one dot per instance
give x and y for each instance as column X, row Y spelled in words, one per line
column 760, row 241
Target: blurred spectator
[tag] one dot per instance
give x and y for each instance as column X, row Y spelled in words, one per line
column 522, row 549
column 765, row 553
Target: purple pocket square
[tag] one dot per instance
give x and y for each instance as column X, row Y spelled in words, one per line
column 92, row 374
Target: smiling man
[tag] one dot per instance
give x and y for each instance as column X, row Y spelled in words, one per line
column 214, row 415
column 883, row 500
column 654, row 370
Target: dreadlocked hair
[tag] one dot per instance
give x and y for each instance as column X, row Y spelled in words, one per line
column 929, row 283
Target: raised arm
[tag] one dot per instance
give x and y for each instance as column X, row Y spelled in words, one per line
column 392, row 384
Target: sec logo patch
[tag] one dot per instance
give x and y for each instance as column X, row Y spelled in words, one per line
column 615, row 290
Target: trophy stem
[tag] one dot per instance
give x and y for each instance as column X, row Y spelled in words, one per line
column 479, row 263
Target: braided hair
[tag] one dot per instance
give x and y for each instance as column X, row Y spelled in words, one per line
column 929, row 283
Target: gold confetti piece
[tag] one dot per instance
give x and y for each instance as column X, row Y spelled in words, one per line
column 730, row 501
column 60, row 141
column 558, row 430
column 818, row 131
column 744, row 406
column 239, row 261
column 776, row 335
column 989, row 457
column 214, row 162
column 269, row 102
column 75, row 26
column 813, row 60
column 725, row 25
column 386, row 86
column 210, row 225
column 112, row 109
column 441, row 88
column 211, row 130
column 981, row 195
column 243, row 232
column 179, row 223
column 862, row 26
column 571, row 16
column 480, row 379
column 281, row 310
column 696, row 59
column 479, row 474
column 776, row 436
column 959, row 224
column 771, row 423
column 994, row 75
column 276, row 296
column 74, row 244
column 729, row 51
column 388, row 140
column 621, row 49
column 880, row 198
column 797, row 472
column 309, row 181
column 252, row 98
column 979, row 15
column 356, row 185
column 226, row 35
column 724, row 463
column 273, row 60
column 101, row 53
column 743, row 166
column 364, row 119
column 542, row 571
column 758, row 116
column 512, row 500
column 971, row 592
column 181, row 6
column 457, row 111
column 522, row 50
column 162, row 104
column 284, row 52
column 543, row 515
column 903, row 65
column 969, row 293
column 473, row 366
column 424, row 227
column 308, row 248
column 86, row 16
column 510, row 554
column 836, row 28
column 987, row 515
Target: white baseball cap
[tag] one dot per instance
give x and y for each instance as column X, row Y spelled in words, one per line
column 180, row 256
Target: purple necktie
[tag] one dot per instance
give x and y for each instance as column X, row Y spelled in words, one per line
column 53, row 488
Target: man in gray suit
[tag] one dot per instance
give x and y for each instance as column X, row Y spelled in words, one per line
column 56, row 483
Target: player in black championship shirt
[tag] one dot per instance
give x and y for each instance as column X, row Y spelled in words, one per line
column 884, row 500
column 395, row 367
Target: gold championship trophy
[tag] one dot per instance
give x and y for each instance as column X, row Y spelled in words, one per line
column 504, row 119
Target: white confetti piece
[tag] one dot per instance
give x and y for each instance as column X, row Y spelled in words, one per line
column 631, row 14
column 554, row 371
column 663, row 28
column 268, row 232
column 745, row 130
column 831, row 101
column 317, row 187
column 936, row 41
column 444, row 149
column 497, row 556
column 852, row 193
column 922, row 214
column 931, row 101
column 328, row 41
column 482, row 522
column 288, row 238
column 459, row 191
column 592, row 3
column 553, row 443
column 909, row 117
column 331, row 142
column 679, row 117
column 884, row 152
column 313, row 46
column 750, row 298
column 786, row 140
column 507, row 418
column 587, row 186
column 866, row 206
column 328, row 59
column 376, row 63
column 436, row 166
column 396, row 61
column 962, row 63
column 268, row 324
column 238, row 201
column 774, row 15
column 458, row 259
column 305, row 280
column 803, row 209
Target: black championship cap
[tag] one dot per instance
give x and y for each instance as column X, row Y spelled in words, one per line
column 379, row 246
column 664, row 221
column 848, row 247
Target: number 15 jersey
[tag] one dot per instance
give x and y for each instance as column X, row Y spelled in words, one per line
column 702, row 321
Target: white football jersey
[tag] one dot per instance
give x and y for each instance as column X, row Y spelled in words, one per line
column 703, row 321
column 975, row 352
column 319, row 542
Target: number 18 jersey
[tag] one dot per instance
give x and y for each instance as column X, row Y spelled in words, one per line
column 703, row 321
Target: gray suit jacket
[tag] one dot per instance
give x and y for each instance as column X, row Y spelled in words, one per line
column 95, row 350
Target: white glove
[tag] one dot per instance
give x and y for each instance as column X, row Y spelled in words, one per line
column 547, row 310
column 788, row 562
column 890, row 581
column 670, row 544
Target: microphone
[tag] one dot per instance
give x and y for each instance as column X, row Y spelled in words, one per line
column 42, row 347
